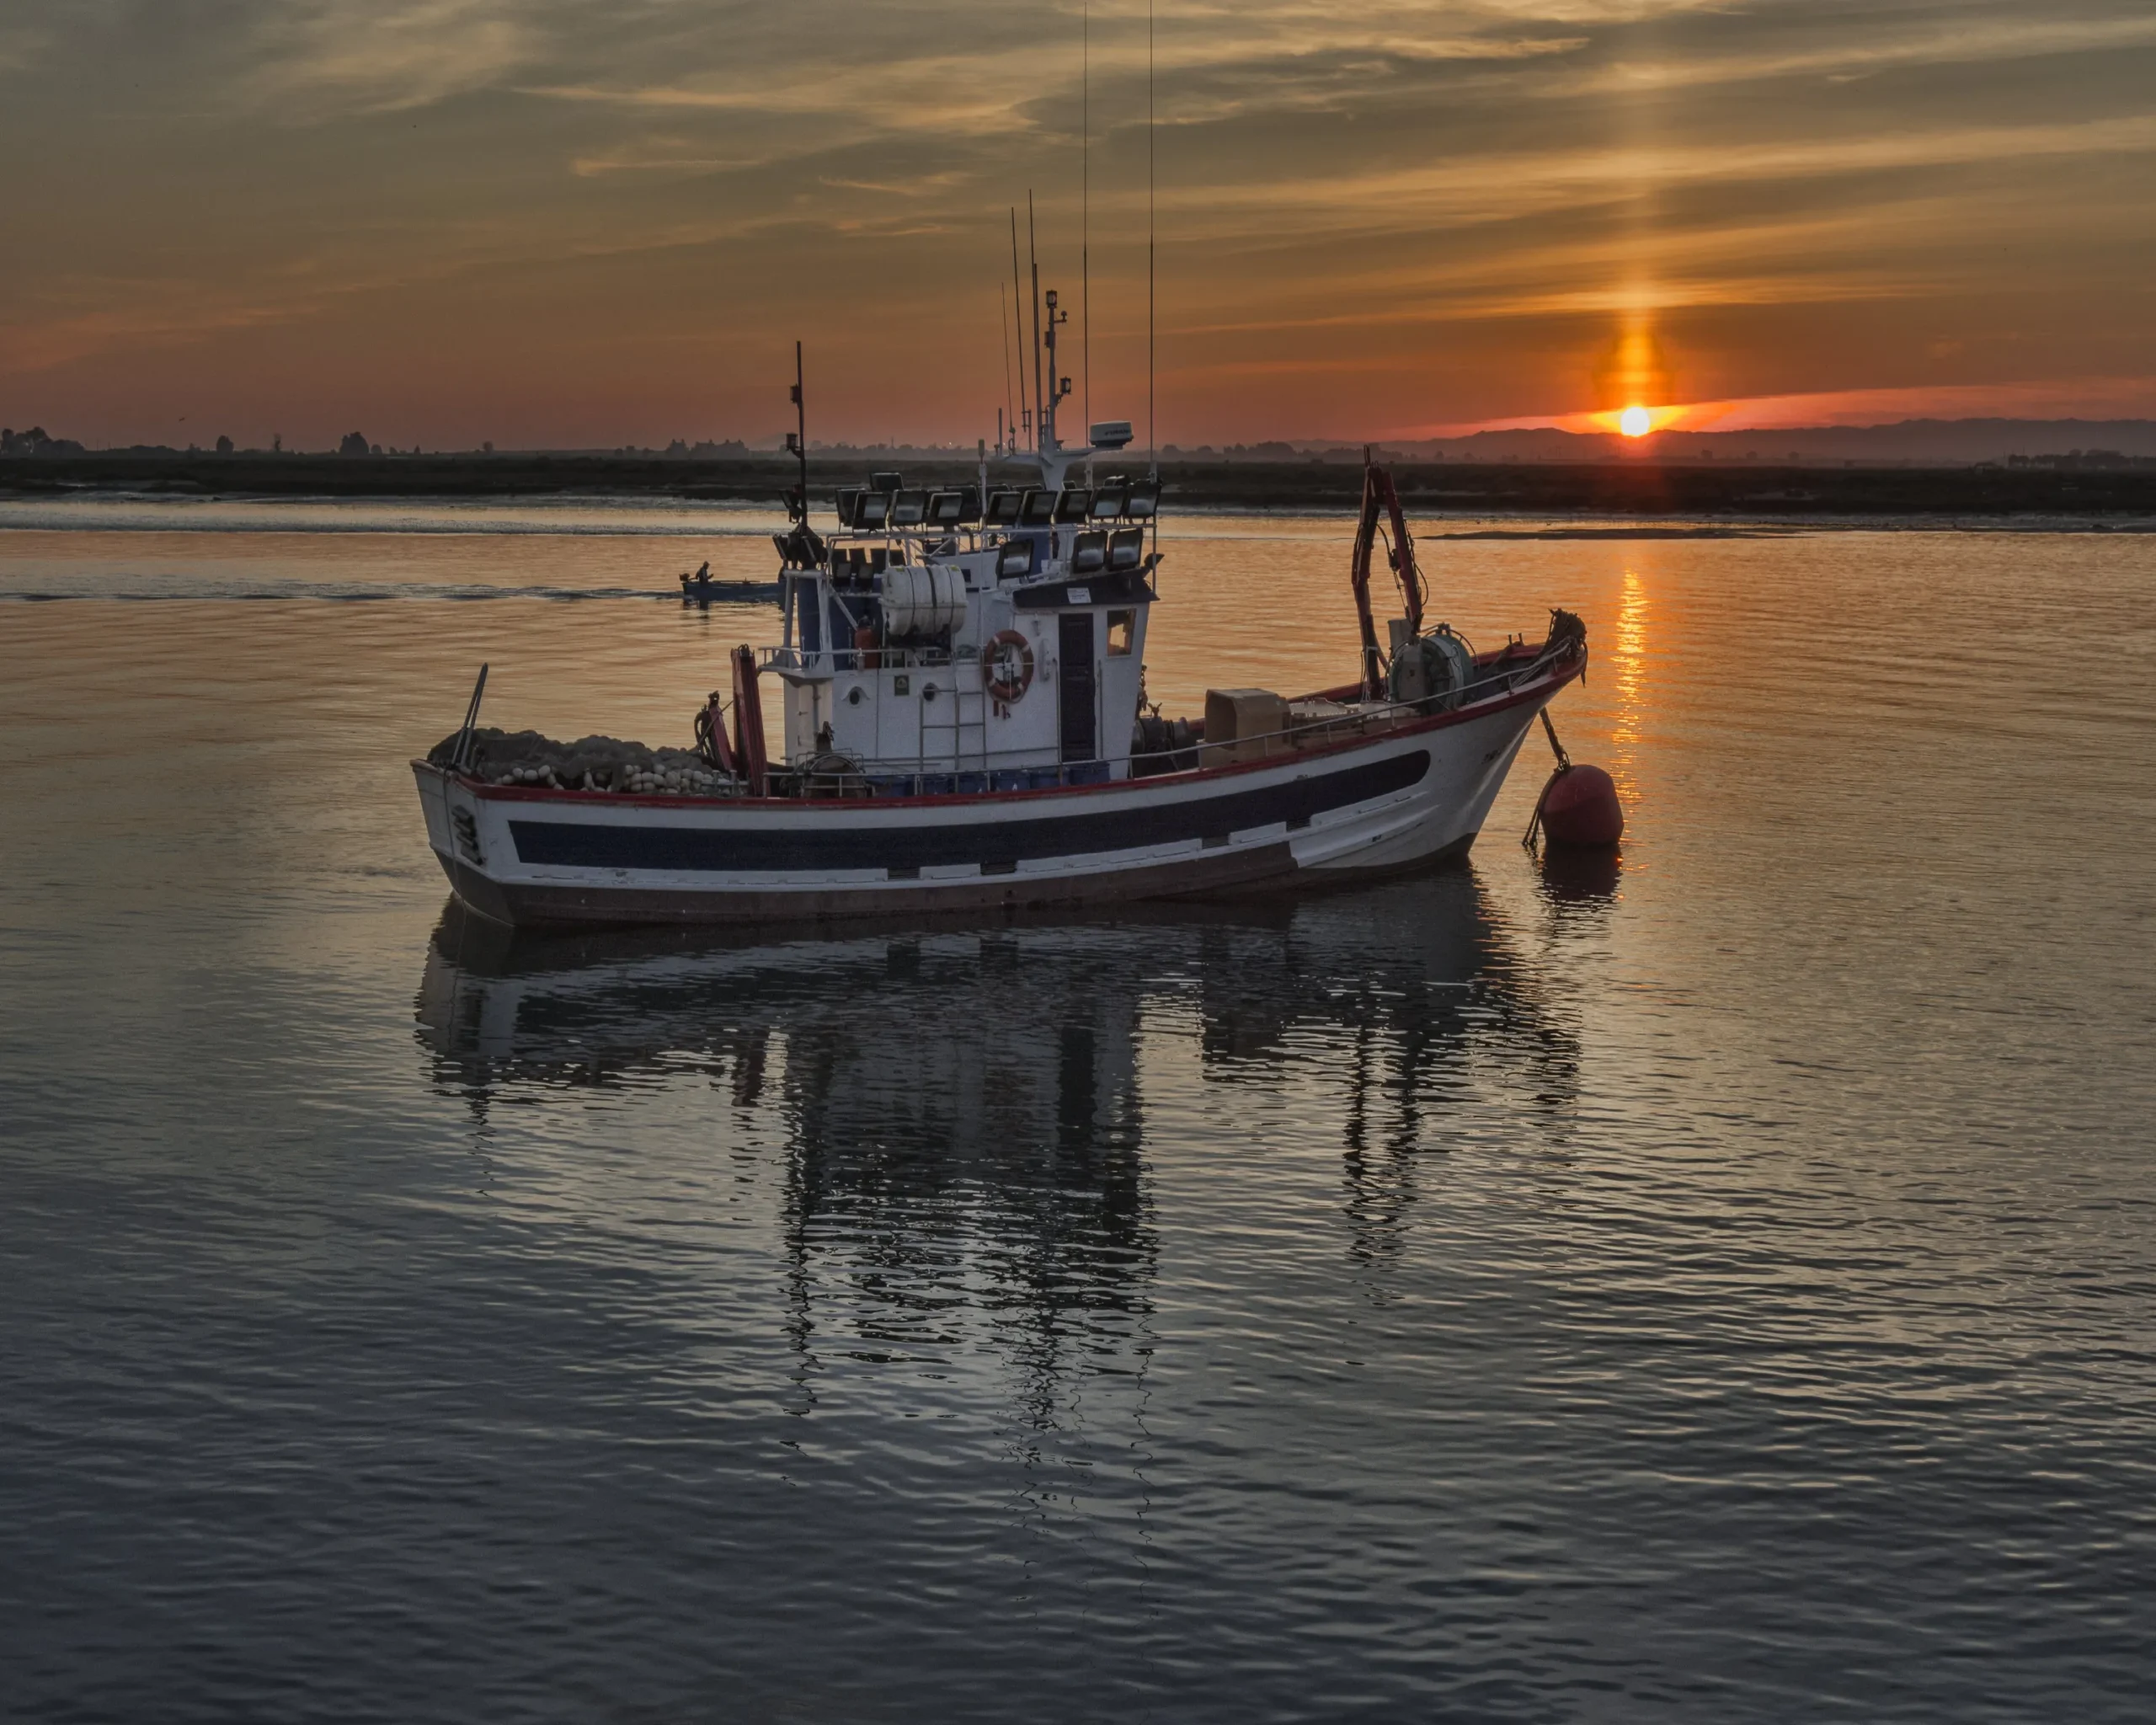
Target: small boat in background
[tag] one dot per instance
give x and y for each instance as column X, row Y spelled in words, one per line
column 701, row 588
column 962, row 673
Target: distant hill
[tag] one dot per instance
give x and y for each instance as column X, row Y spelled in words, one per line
column 2079, row 445
column 1911, row 442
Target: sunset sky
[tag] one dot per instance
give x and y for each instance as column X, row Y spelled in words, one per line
column 559, row 222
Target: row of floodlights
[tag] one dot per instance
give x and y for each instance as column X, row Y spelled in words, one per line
column 1095, row 551
column 875, row 508
column 1091, row 553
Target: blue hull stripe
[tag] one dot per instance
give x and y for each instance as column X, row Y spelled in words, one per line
column 1002, row 837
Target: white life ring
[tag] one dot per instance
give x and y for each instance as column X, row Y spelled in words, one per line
column 1007, row 662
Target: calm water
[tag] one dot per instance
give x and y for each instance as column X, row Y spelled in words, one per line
column 1721, row 1288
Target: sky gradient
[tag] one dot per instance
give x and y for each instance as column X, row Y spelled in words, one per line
column 559, row 223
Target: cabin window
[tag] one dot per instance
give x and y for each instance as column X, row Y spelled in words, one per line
column 1123, row 628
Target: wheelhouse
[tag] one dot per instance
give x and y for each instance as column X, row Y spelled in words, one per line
column 972, row 639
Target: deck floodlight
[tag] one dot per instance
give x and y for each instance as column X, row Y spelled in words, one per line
column 1015, row 559
column 887, row 482
column 946, row 508
column 1036, row 509
column 1072, row 502
column 1145, row 501
column 1126, row 549
column 968, row 507
column 1107, row 503
column 908, row 509
column 1003, row 510
column 1089, row 553
column 872, row 508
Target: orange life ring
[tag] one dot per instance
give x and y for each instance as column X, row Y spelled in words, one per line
column 1012, row 678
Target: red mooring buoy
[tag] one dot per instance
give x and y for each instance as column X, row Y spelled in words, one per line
column 1579, row 806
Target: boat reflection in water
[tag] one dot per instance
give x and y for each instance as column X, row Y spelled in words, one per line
column 965, row 1112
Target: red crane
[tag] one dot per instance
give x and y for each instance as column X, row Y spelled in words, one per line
column 1378, row 493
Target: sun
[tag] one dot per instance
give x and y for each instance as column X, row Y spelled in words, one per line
column 1636, row 422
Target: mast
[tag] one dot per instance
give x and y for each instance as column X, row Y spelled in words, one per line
column 1059, row 385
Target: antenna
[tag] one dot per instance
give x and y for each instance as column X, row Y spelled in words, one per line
column 1004, row 312
column 1018, row 335
column 796, row 444
column 1086, row 201
column 1152, row 373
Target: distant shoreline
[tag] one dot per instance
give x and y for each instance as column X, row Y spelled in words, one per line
column 1761, row 492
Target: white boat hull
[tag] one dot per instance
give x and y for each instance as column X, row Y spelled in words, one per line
column 1410, row 796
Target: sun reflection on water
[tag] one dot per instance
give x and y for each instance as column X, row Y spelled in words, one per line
column 1629, row 655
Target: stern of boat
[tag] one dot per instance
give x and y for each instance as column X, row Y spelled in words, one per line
column 457, row 832
column 433, row 786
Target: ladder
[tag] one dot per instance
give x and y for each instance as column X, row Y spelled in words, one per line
column 957, row 743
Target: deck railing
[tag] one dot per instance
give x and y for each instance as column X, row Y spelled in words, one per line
column 1003, row 769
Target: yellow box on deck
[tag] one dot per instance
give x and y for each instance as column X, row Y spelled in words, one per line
column 1243, row 725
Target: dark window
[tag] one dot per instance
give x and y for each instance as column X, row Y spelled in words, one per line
column 1075, row 680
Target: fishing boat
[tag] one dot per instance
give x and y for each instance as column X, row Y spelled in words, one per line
column 961, row 678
